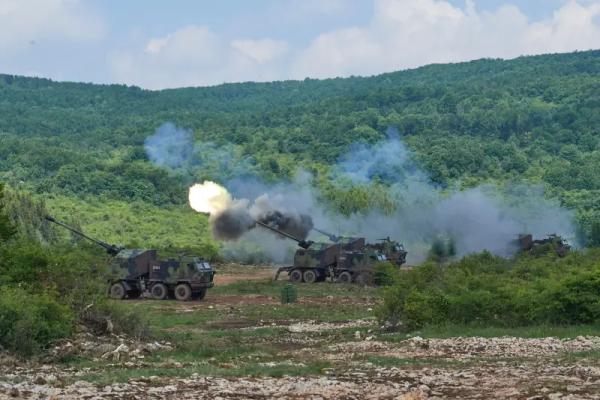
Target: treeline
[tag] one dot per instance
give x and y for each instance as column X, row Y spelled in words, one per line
column 533, row 118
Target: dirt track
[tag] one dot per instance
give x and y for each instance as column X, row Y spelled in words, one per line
column 232, row 273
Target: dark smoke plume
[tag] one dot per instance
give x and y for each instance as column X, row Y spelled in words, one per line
column 236, row 220
column 232, row 223
column 297, row 225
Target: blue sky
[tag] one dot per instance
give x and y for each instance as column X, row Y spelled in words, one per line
column 158, row 44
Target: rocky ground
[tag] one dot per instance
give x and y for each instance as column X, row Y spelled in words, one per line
column 459, row 368
column 356, row 360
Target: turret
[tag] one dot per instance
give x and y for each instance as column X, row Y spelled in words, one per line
column 110, row 248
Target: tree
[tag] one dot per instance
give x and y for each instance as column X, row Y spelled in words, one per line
column 594, row 239
column 7, row 229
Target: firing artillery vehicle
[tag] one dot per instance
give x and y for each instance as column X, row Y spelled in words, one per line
column 528, row 244
column 137, row 271
column 348, row 260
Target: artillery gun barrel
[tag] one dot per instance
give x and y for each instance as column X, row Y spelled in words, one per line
column 331, row 236
column 110, row 248
column 305, row 244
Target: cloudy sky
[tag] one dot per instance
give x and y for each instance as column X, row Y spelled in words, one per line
column 162, row 44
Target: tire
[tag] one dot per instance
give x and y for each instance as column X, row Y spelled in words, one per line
column 159, row 291
column 345, row 277
column 183, row 292
column 310, row 276
column 117, row 291
column 296, row 276
column 199, row 295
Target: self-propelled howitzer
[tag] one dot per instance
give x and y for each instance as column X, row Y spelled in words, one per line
column 348, row 260
column 137, row 271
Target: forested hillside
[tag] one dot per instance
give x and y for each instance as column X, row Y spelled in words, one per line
column 80, row 146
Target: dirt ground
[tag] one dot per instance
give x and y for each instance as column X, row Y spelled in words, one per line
column 362, row 362
column 232, row 273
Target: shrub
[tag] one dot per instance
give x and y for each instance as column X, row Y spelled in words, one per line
column 113, row 317
column 30, row 321
column 490, row 290
column 385, row 274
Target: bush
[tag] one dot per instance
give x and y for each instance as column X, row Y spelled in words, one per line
column 45, row 292
column 385, row 274
column 484, row 289
column 30, row 321
column 113, row 317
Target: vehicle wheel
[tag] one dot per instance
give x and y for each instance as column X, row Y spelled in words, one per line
column 309, row 276
column 364, row 279
column 159, row 291
column 183, row 292
column 199, row 295
column 345, row 277
column 296, row 276
column 117, row 291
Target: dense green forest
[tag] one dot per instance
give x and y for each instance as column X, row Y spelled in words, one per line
column 80, row 146
column 76, row 150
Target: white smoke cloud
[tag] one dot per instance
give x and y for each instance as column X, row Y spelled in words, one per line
column 175, row 148
column 169, row 146
column 483, row 218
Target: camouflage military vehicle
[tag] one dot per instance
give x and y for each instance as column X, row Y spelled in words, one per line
column 393, row 251
column 528, row 244
column 138, row 271
column 348, row 260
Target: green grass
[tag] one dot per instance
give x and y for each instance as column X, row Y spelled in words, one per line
column 119, row 375
column 319, row 312
column 270, row 287
column 191, row 319
column 137, row 224
column 391, row 362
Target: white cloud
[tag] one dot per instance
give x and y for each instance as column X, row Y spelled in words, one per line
column 401, row 34
column 195, row 56
column 410, row 33
column 261, row 51
column 25, row 22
